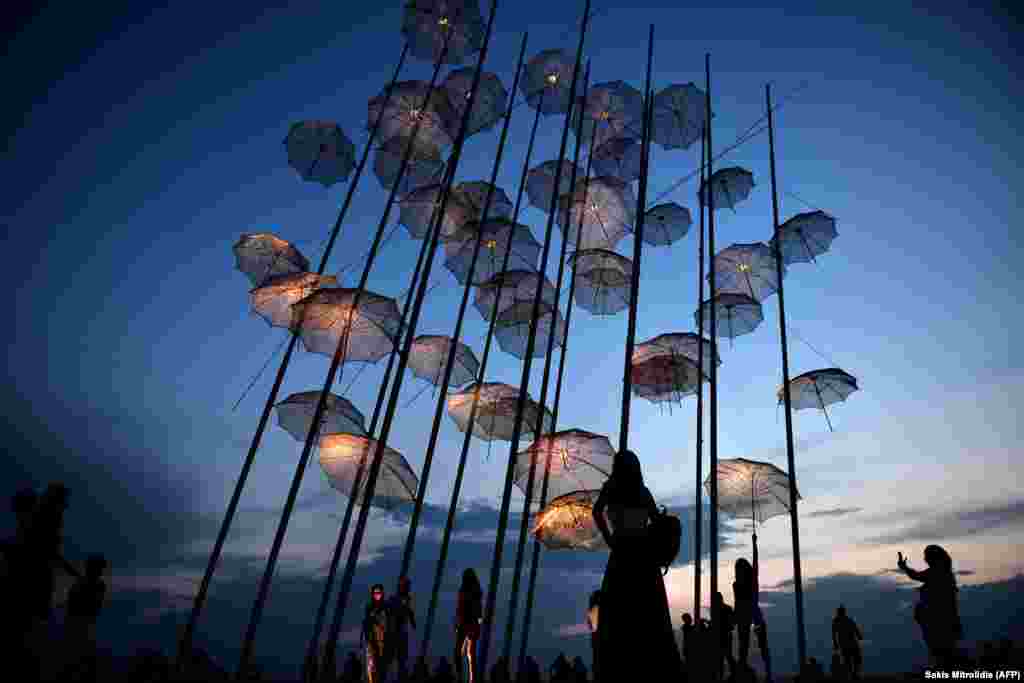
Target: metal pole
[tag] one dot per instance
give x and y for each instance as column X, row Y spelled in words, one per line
column 699, row 498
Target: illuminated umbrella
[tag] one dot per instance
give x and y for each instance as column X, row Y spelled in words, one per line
column 820, row 388
column 474, row 195
column 603, row 281
column 679, row 116
column 320, row 151
column 805, row 236
column 747, row 269
column 748, row 489
column 495, row 411
column 417, row 211
column 295, row 415
column 683, row 344
column 614, row 109
column 662, row 379
column 666, row 223
column 424, row 167
column 513, row 328
column 567, row 523
column 547, row 80
column 263, row 255
column 274, row 300
column 515, row 286
column 619, row 158
column 497, row 236
column 427, row 24
column 429, row 354
column 321, row 319
column 488, row 105
column 737, row 314
column 578, row 460
column 540, row 183
column 340, row 457
column 607, row 208
column 731, row 186
column 408, row 106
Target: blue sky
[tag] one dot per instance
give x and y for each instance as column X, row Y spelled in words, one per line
column 141, row 146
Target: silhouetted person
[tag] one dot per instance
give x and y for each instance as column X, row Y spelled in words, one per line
column 722, row 624
column 636, row 640
column 375, row 626
column 443, row 674
column 500, row 672
column 17, row 578
column 82, row 608
column 45, row 536
column 748, row 613
column 468, row 612
column 689, row 636
column 560, row 670
column 531, row 673
column 579, row 671
column 846, row 639
column 592, row 616
column 937, row 612
column 402, row 617
column 352, row 672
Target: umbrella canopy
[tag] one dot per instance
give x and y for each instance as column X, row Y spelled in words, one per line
column 578, row 460
column 606, row 207
column 488, row 105
column 263, row 255
column 737, row 314
column 611, row 110
column 806, row 236
column 666, row 223
column 748, row 489
column 322, row 317
column 320, row 152
column 513, row 328
column 679, row 116
column 820, row 388
column 424, row 167
column 663, row 379
column 428, row 24
column 474, row 195
column 731, row 186
column 274, row 300
column 295, row 415
column 619, row 158
column 567, row 523
column 412, row 103
column 684, row 344
column 547, row 80
column 497, row 236
column 418, row 211
column 748, row 269
column 340, row 457
column 540, row 183
column 604, row 281
column 509, row 288
column 429, row 354
column 495, row 412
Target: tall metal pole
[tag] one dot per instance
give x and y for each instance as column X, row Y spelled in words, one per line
column 185, row 645
column 801, row 633
column 699, row 497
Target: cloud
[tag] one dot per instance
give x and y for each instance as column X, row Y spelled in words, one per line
column 573, row 630
column 834, row 512
column 958, row 523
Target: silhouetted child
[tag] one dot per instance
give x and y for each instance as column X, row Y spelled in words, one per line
column 375, row 626
column 937, row 612
column 724, row 616
column 402, row 616
column 846, row 639
column 82, row 608
column 579, row 670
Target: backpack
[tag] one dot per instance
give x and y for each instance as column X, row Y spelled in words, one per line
column 666, row 533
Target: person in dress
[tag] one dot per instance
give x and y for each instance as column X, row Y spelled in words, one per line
column 468, row 612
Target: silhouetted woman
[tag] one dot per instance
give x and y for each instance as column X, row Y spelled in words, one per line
column 937, row 612
column 468, row 612
column 747, row 612
column 636, row 640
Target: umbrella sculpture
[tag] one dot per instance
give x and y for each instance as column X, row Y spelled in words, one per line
column 737, row 314
column 495, row 412
column 576, row 460
column 322, row 318
column 747, row 269
column 320, row 152
column 263, row 255
column 513, row 329
column 731, row 186
column 567, row 523
column 411, row 103
column 602, row 209
column 604, row 281
column 474, row 193
column 510, row 288
column 340, row 459
column 820, row 388
column 489, row 104
column 540, row 182
column 295, row 415
column 619, row 158
column 679, row 116
column 274, row 300
column 429, row 353
column 418, row 212
column 612, row 110
column 424, row 167
column 663, row 379
column 805, row 236
column 428, row 25
column 666, row 223
column 547, row 81
column 681, row 344
column 496, row 236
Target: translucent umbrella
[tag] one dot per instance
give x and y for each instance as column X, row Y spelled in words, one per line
column 805, row 236
column 417, row 211
column 409, row 105
column 747, row 269
column 679, row 116
column 666, row 223
column 612, row 110
column 578, row 460
column 567, row 523
column 426, row 24
column 295, row 415
column 489, row 104
column 513, row 328
column 474, row 194
column 495, row 412
column 429, row 354
column 748, row 489
column 684, row 344
column 607, row 208
column 540, row 183
column 737, row 314
column 264, row 255
column 603, row 281
column 619, row 158
column 320, row 152
column 515, row 286
column 322, row 317
column 497, row 236
column 820, row 388
column 663, row 379
column 547, row 80
column 340, row 457
column 424, row 168
column 274, row 300
column 731, row 186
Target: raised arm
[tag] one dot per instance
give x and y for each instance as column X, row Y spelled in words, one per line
column 598, row 512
